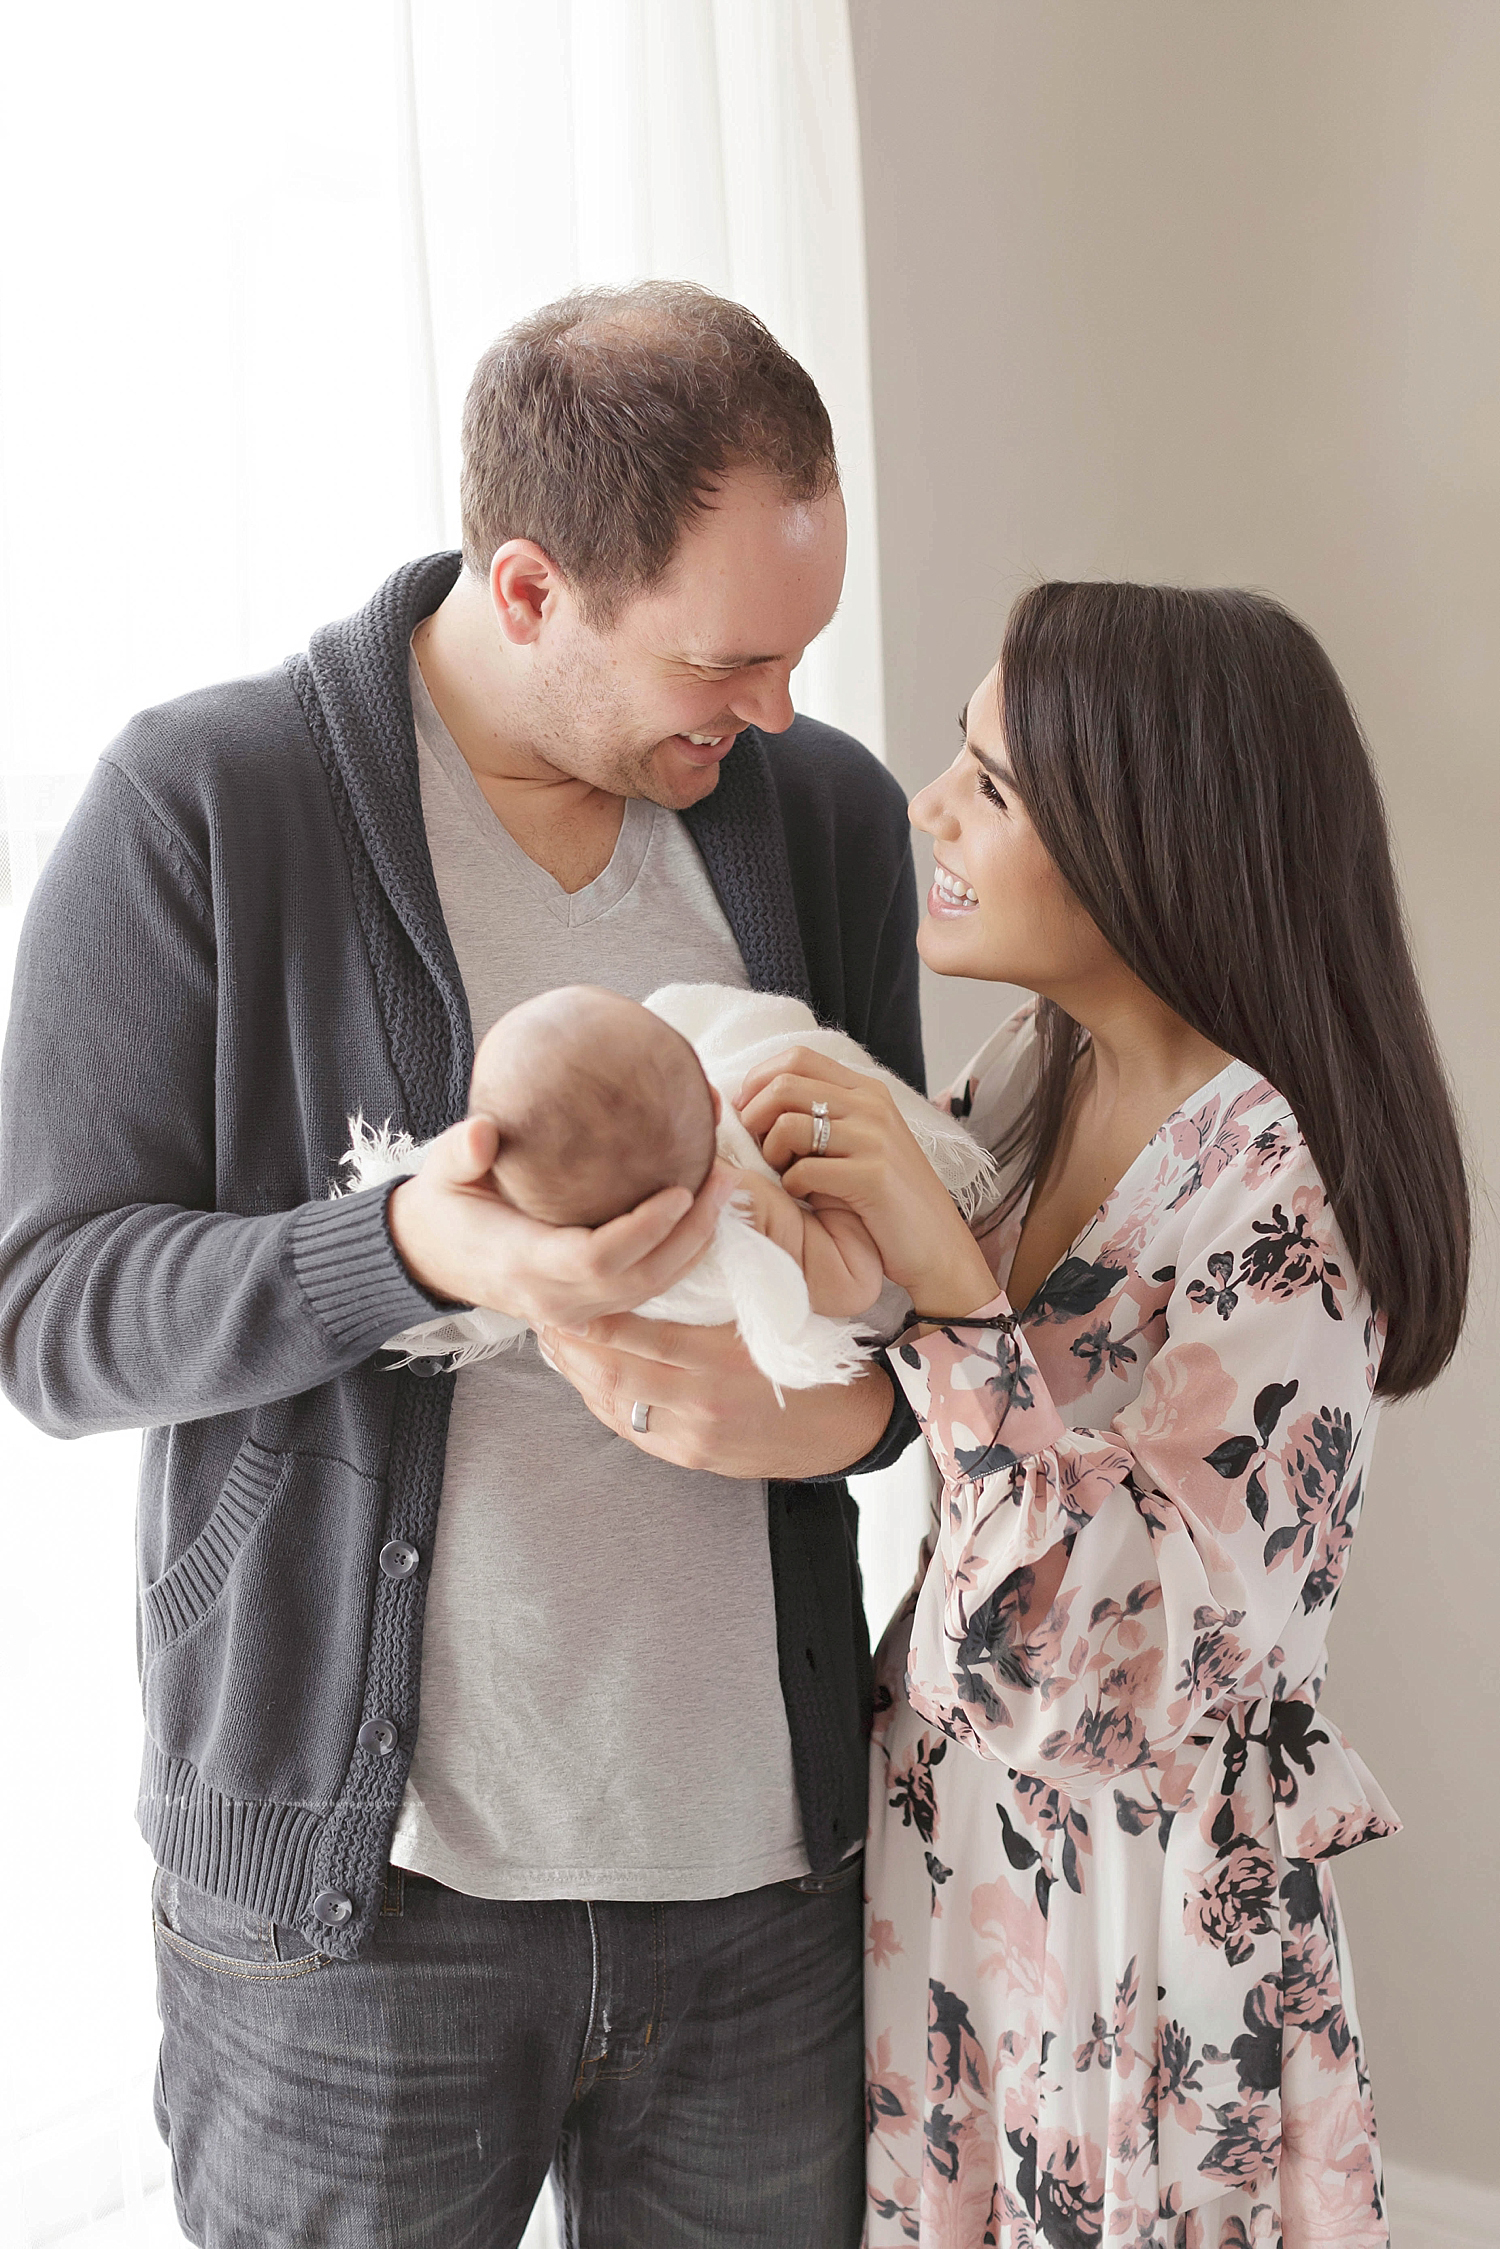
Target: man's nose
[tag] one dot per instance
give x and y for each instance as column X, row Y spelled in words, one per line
column 764, row 698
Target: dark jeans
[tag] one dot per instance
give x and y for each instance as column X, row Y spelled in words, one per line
column 691, row 2073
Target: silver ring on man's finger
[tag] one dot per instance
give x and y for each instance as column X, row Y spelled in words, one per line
column 822, row 1129
column 640, row 1418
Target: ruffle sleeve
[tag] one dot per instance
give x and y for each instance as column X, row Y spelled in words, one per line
column 1206, row 1517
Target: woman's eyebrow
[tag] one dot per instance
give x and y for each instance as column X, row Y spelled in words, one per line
column 999, row 773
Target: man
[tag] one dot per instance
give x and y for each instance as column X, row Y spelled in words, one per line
column 600, row 1909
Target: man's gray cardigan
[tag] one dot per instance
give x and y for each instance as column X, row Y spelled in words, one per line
column 236, row 942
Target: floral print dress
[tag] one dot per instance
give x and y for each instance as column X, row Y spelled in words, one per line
column 1108, row 2001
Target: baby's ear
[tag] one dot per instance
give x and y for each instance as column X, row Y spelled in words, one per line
column 718, row 1101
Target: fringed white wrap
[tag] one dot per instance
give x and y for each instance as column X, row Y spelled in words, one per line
column 740, row 1276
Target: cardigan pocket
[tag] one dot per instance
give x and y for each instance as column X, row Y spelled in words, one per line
column 190, row 1587
column 254, row 1640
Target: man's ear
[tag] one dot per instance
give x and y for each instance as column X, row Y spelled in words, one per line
column 524, row 584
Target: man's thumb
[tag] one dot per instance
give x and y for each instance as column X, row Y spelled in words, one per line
column 465, row 1152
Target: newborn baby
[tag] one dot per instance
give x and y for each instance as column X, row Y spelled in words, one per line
column 601, row 1101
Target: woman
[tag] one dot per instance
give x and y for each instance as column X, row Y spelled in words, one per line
column 1108, row 1996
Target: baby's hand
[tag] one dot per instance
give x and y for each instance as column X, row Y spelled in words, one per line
column 839, row 1260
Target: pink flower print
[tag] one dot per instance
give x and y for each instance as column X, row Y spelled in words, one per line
column 1263, row 2231
column 1016, row 1928
column 1020, row 2107
column 1109, row 2046
column 1134, row 1681
column 1179, row 2076
column 890, row 2099
column 1185, row 1401
column 1215, row 1662
column 1311, row 1995
column 883, row 1944
column 1103, row 1740
column 1326, row 1834
column 1050, row 1814
column 1269, row 1150
column 1129, row 2127
column 955, row 2058
column 960, row 2190
column 1327, row 1574
column 1314, row 1461
column 1248, row 2140
column 1236, row 1902
column 1212, row 1144
column 1286, row 1258
column 1190, row 1135
column 1070, row 2192
column 1328, row 2189
column 901, row 2203
column 911, row 1789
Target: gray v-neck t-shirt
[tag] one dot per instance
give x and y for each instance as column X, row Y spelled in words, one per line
column 601, row 1710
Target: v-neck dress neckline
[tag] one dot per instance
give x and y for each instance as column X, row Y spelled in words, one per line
column 1015, row 1222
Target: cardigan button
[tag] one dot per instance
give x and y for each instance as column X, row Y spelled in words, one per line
column 397, row 1559
column 332, row 1908
column 378, row 1734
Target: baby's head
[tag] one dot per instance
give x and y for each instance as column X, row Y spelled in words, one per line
column 599, row 1104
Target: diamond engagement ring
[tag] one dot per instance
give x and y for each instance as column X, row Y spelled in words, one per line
column 640, row 1418
column 822, row 1130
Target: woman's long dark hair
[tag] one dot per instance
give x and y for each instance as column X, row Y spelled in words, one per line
column 1193, row 766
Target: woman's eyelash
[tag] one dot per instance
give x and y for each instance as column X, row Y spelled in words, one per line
column 988, row 790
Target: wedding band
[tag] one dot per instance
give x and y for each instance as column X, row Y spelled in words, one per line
column 822, row 1130
column 640, row 1418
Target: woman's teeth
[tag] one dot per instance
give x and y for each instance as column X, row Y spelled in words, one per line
column 955, row 892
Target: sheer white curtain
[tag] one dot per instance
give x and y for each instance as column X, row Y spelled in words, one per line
column 250, row 259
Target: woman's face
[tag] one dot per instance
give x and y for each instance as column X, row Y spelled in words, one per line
column 998, row 908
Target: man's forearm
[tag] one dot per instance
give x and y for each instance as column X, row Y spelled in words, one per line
column 154, row 1315
column 823, row 1433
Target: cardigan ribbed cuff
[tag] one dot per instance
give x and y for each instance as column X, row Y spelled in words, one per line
column 348, row 1270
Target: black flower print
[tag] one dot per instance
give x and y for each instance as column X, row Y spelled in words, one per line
column 911, row 1787
column 1285, row 1258
column 1237, row 1902
column 1215, row 1294
column 1248, row 2142
column 1071, row 1291
column 1233, row 1456
column 1070, row 2198
column 1315, row 1461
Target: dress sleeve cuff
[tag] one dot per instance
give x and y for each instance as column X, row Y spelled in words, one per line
column 350, row 1274
column 977, row 1392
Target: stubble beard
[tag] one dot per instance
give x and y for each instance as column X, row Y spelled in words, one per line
column 584, row 725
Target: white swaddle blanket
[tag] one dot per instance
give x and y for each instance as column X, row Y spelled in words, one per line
column 741, row 1276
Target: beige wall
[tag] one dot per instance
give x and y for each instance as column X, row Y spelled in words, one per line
column 1207, row 291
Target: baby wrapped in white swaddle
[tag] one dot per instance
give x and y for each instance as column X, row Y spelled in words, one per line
column 601, row 1101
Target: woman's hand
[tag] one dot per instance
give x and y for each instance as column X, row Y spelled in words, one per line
column 874, row 1167
column 709, row 1405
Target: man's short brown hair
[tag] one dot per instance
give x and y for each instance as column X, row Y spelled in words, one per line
column 601, row 425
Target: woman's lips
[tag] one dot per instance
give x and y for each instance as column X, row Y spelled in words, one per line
column 950, row 897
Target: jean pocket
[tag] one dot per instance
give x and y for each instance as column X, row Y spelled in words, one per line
column 845, row 1876
column 227, row 1939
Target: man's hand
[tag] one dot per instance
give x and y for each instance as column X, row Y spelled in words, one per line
column 458, row 1238
column 710, row 1406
